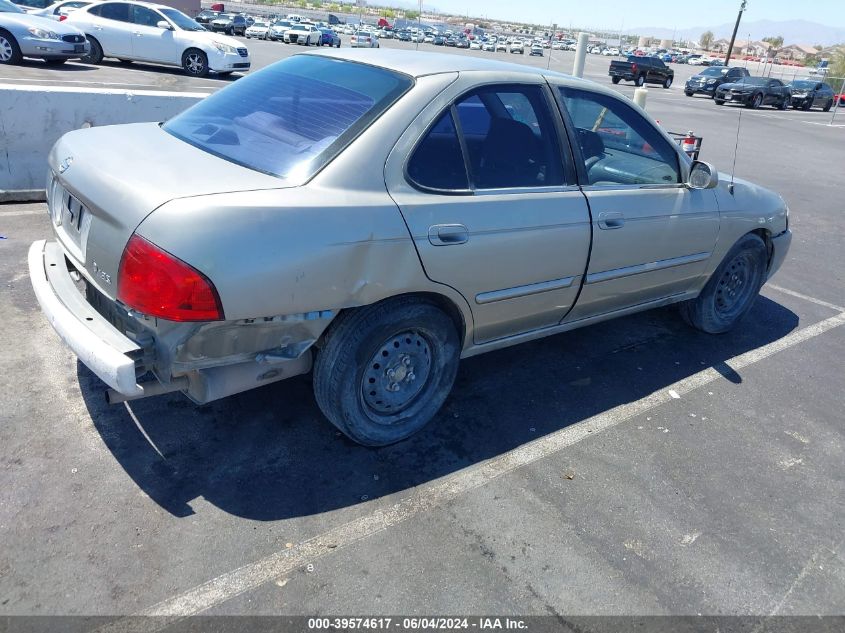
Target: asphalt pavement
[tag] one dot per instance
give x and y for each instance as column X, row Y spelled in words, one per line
column 632, row 467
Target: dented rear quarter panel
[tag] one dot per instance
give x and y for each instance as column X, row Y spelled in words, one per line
column 339, row 241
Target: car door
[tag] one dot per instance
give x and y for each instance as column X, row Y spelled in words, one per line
column 652, row 235
column 149, row 41
column 112, row 29
column 490, row 198
column 656, row 70
column 773, row 92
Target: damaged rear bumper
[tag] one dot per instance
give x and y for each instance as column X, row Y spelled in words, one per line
column 101, row 347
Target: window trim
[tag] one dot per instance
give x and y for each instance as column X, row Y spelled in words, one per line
column 580, row 163
column 569, row 167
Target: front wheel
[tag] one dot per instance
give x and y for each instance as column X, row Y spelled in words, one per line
column 639, row 81
column 719, row 101
column 828, row 105
column 784, row 104
column 195, row 62
column 667, row 83
column 731, row 291
column 688, row 93
column 756, row 102
column 386, row 369
column 808, row 104
column 10, row 52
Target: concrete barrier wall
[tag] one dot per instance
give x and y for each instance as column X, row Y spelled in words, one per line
column 32, row 118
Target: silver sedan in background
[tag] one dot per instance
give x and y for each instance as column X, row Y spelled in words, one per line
column 385, row 215
column 24, row 35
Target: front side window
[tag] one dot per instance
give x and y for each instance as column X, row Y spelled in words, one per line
column 144, row 16
column 618, row 145
column 291, row 118
column 181, row 20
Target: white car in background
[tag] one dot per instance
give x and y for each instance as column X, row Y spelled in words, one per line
column 517, row 47
column 303, row 33
column 259, row 30
column 145, row 32
column 364, row 39
column 59, row 10
column 475, row 45
column 502, row 45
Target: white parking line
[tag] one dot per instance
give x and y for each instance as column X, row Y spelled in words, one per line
column 12, row 214
column 798, row 295
column 281, row 563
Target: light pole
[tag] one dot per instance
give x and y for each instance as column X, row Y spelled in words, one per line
column 736, row 28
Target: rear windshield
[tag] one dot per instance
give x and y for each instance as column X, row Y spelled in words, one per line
column 290, row 119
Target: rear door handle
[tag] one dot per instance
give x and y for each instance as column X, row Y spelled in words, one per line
column 611, row 220
column 448, row 234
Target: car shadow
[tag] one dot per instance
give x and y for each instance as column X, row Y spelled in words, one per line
column 165, row 70
column 71, row 65
column 269, row 454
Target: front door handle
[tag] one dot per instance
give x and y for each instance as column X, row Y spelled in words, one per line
column 448, row 234
column 611, row 220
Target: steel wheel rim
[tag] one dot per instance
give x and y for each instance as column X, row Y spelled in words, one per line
column 735, row 286
column 5, row 49
column 396, row 374
column 195, row 63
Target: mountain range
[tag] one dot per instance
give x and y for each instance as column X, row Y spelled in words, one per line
column 792, row 31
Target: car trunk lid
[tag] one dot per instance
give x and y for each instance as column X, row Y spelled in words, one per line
column 104, row 181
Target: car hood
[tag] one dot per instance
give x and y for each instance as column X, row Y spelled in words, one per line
column 122, row 173
column 739, row 86
column 27, row 20
column 210, row 36
column 702, row 78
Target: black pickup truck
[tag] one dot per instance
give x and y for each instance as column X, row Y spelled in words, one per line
column 642, row 70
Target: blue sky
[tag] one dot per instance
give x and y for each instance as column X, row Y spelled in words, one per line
column 660, row 13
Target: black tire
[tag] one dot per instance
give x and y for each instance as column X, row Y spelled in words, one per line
column 55, row 62
column 615, row 80
column 355, row 373
column 755, row 102
column 337, row 45
column 95, row 54
column 784, row 104
column 10, row 52
column 639, row 80
column 195, row 62
column 731, row 291
column 667, row 83
column 807, row 105
column 688, row 93
column 828, row 105
column 719, row 101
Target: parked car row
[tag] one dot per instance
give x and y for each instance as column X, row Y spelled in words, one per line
column 23, row 35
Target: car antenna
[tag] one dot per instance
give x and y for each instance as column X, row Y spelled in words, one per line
column 736, row 148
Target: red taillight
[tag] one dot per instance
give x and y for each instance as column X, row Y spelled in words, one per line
column 62, row 18
column 634, row 67
column 154, row 282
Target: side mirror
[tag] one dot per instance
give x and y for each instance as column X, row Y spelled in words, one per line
column 164, row 24
column 702, row 176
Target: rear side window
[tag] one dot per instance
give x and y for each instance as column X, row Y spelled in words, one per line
column 438, row 162
column 115, row 11
column 293, row 117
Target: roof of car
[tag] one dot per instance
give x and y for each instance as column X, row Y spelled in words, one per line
column 421, row 63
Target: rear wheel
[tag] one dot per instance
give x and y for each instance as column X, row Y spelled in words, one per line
column 731, row 291
column 386, row 369
column 10, row 52
column 95, row 53
column 615, row 80
column 639, row 81
column 828, row 105
column 195, row 62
